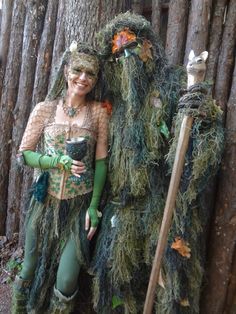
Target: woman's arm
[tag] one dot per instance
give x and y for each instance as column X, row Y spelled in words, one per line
column 34, row 127
column 36, row 123
column 100, row 173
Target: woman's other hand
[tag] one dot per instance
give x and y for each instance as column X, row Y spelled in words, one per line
column 77, row 168
column 92, row 221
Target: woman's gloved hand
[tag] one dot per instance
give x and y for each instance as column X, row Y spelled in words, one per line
column 93, row 215
column 37, row 160
column 92, row 220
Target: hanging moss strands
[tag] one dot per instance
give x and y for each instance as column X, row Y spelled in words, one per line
column 144, row 127
column 55, row 220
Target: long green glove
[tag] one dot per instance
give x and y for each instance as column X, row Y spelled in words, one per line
column 99, row 181
column 37, row 160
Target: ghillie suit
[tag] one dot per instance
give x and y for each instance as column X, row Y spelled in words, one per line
column 144, row 92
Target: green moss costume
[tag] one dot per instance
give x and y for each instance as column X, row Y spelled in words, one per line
column 144, row 92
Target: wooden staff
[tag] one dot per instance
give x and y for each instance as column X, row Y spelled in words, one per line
column 182, row 147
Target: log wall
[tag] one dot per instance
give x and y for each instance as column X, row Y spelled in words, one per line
column 32, row 38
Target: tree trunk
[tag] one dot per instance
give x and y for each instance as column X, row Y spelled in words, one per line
column 215, row 38
column 176, row 31
column 97, row 12
column 230, row 307
column 156, row 16
column 7, row 8
column 6, row 15
column 226, row 57
column 45, row 54
column 59, row 42
column 33, row 29
column 8, row 100
column 41, row 81
column 198, row 24
column 110, row 8
column 137, row 6
column 78, row 13
column 223, row 237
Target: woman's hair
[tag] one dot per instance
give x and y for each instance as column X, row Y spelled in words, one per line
column 59, row 83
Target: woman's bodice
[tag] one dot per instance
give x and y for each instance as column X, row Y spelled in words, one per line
column 64, row 185
column 49, row 126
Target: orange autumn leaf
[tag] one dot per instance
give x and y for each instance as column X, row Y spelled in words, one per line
column 181, row 247
column 108, row 106
column 122, row 38
column 145, row 52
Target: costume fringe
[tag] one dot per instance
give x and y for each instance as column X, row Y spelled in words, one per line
column 54, row 222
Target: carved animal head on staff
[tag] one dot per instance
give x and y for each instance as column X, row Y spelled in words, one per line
column 196, row 67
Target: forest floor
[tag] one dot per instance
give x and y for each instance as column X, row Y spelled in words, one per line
column 5, row 297
column 10, row 260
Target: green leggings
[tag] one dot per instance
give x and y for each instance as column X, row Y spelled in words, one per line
column 68, row 270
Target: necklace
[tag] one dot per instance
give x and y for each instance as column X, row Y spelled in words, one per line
column 71, row 111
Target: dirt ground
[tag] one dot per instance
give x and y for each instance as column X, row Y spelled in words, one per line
column 10, row 259
column 5, row 297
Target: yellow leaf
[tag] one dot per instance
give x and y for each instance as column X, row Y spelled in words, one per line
column 184, row 302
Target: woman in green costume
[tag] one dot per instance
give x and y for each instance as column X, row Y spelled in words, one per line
column 144, row 126
column 59, row 228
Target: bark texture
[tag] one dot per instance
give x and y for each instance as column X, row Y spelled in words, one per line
column 156, row 16
column 137, row 6
column 6, row 14
column 45, row 53
column 230, row 306
column 59, row 41
column 8, row 101
column 78, row 13
column 215, row 37
column 97, row 12
column 223, row 237
column 226, row 57
column 176, row 31
column 32, row 33
column 40, row 87
column 198, row 25
column 7, row 7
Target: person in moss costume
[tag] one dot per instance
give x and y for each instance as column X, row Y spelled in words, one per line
column 59, row 228
column 144, row 127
